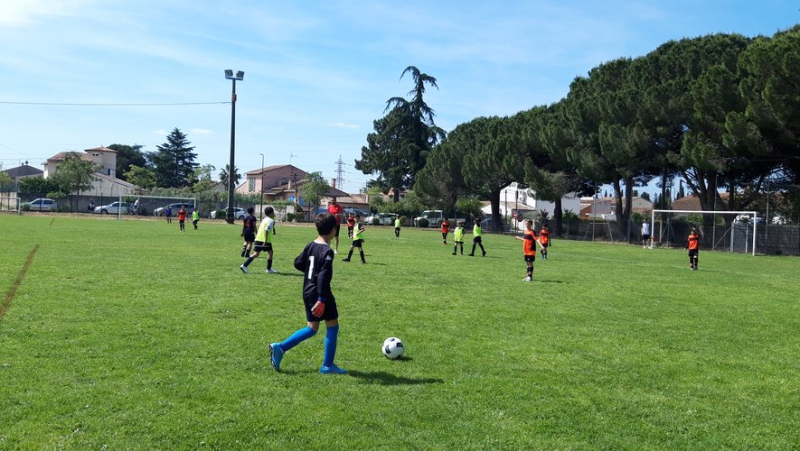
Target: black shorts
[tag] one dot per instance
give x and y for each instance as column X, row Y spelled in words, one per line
column 260, row 246
column 338, row 227
column 477, row 239
column 357, row 243
column 331, row 311
column 530, row 258
column 646, row 237
column 544, row 246
column 693, row 253
column 249, row 237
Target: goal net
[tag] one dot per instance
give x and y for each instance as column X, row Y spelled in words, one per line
column 10, row 204
column 731, row 231
column 149, row 206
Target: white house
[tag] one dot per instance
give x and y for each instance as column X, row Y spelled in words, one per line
column 519, row 197
column 105, row 182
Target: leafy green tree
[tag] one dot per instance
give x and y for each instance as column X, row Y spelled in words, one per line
column 74, row 175
column 36, row 186
column 403, row 138
column 202, row 179
column 141, row 176
column 127, row 156
column 174, row 161
column 223, row 175
column 375, row 197
column 313, row 190
column 6, row 182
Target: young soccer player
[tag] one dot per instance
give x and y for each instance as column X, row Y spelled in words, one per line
column 195, row 217
column 458, row 237
column 316, row 263
column 263, row 241
column 351, row 222
column 646, row 235
column 544, row 241
column 397, row 224
column 693, row 246
column 336, row 210
column 182, row 219
column 358, row 240
column 528, row 248
column 248, row 231
column 168, row 214
column 476, row 238
column 445, row 231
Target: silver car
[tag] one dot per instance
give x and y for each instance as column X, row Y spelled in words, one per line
column 41, row 204
column 114, row 208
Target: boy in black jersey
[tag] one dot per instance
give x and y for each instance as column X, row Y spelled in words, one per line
column 248, row 232
column 316, row 263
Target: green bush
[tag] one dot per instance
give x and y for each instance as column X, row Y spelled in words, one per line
column 26, row 207
column 221, row 214
column 376, row 221
column 423, row 222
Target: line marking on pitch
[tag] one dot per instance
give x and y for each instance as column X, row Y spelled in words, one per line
column 17, row 282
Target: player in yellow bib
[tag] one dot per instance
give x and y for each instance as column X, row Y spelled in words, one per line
column 263, row 242
column 358, row 240
column 458, row 236
column 476, row 238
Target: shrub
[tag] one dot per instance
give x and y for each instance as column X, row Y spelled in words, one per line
column 423, row 222
column 376, row 221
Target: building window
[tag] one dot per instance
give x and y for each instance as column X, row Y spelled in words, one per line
column 284, row 181
column 251, row 184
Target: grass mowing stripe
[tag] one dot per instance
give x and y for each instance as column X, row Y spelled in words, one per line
column 13, row 290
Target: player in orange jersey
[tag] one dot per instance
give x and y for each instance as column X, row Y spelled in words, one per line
column 528, row 248
column 544, row 241
column 693, row 246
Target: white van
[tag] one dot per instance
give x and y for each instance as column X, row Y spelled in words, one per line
column 434, row 218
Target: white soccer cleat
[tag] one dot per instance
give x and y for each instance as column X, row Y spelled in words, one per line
column 272, row 271
column 244, row 269
column 527, row 279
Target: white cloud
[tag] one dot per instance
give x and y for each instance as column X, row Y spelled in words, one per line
column 344, row 126
column 200, row 131
column 161, row 132
column 16, row 13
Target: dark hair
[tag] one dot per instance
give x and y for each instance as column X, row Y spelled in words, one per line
column 325, row 223
column 251, row 210
column 268, row 211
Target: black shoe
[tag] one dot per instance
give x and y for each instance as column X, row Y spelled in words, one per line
column 345, row 259
column 454, row 253
column 471, row 255
column 484, row 254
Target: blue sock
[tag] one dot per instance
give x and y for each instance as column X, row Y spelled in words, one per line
column 331, row 337
column 297, row 338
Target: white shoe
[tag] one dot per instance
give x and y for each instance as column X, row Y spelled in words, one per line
column 244, row 269
column 272, row 271
column 527, row 279
column 335, row 251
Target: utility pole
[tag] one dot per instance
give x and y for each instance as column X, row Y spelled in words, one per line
column 339, row 173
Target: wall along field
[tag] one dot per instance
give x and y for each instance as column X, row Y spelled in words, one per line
column 131, row 334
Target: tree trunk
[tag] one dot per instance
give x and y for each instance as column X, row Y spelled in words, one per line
column 494, row 197
column 558, row 215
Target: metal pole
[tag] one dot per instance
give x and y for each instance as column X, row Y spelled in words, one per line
column 229, row 218
column 261, row 189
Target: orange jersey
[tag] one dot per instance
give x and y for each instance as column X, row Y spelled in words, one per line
column 544, row 237
column 351, row 222
column 445, row 226
column 529, row 242
column 694, row 242
column 182, row 215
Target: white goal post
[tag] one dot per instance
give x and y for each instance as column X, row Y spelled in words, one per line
column 700, row 212
column 147, row 205
column 10, row 204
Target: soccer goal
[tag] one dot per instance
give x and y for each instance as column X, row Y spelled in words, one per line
column 10, row 204
column 733, row 231
column 136, row 205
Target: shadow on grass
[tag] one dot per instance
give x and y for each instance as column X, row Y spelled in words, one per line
column 548, row 281
column 384, row 378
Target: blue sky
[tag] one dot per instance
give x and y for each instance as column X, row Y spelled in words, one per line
column 317, row 73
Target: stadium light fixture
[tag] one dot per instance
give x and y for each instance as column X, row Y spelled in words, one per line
column 229, row 216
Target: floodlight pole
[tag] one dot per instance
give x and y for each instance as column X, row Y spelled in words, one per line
column 229, row 216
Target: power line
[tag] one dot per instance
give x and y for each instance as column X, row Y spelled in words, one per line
column 112, row 104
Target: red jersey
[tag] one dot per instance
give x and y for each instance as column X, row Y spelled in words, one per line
column 181, row 215
column 336, row 210
column 445, row 226
column 351, row 222
column 544, row 237
column 694, row 242
column 529, row 242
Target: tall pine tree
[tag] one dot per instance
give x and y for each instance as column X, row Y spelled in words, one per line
column 174, row 161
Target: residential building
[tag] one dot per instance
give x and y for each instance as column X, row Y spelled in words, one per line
column 518, row 197
column 104, row 183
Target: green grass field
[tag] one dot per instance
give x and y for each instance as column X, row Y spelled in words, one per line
column 133, row 335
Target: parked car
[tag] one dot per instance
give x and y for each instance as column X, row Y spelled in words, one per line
column 434, row 218
column 383, row 218
column 113, row 208
column 486, row 225
column 238, row 213
column 175, row 207
column 356, row 211
column 41, row 204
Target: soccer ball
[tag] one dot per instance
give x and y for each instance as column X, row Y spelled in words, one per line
column 393, row 348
